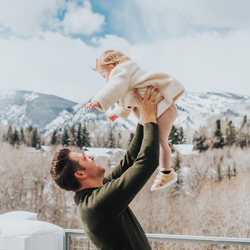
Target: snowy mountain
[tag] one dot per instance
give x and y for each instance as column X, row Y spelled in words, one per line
column 200, row 109
column 194, row 110
column 49, row 112
column 92, row 118
column 23, row 108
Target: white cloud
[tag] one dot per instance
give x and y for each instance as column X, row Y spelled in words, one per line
column 50, row 62
column 227, row 13
column 60, row 65
column 81, row 20
column 154, row 20
column 27, row 16
column 200, row 62
column 223, row 13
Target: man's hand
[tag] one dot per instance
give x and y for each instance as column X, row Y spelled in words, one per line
column 148, row 105
column 113, row 117
column 91, row 105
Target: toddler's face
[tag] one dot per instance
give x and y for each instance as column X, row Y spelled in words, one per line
column 105, row 71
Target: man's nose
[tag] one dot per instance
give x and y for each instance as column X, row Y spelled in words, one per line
column 91, row 157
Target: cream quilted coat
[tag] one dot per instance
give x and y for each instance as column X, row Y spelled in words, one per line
column 128, row 75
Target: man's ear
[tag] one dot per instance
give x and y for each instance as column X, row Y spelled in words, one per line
column 80, row 174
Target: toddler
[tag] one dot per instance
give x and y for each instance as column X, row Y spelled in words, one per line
column 123, row 75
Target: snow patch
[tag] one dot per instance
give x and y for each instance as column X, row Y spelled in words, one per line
column 184, row 149
column 30, row 97
column 8, row 93
column 104, row 152
column 21, row 215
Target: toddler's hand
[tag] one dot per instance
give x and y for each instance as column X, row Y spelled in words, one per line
column 91, row 105
column 113, row 117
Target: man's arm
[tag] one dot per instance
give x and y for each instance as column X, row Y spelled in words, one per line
column 129, row 157
column 148, row 111
column 116, row 195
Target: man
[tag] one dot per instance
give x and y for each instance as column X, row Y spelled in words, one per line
column 102, row 202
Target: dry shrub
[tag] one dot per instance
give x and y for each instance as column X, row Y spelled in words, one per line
column 199, row 205
column 25, row 184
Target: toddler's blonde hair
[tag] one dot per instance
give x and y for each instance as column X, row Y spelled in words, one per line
column 110, row 57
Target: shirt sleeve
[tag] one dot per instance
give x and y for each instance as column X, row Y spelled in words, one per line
column 129, row 157
column 114, row 196
column 121, row 112
column 117, row 86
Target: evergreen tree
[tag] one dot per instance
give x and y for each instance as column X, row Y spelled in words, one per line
column 85, row 137
column 73, row 136
column 244, row 133
column 4, row 136
column 79, row 137
column 244, row 122
column 174, row 135
column 58, row 139
column 110, row 143
column 53, row 140
column 35, row 140
column 9, row 136
column 22, row 137
column 234, row 170
column 219, row 140
column 119, row 144
column 65, row 138
column 177, row 165
column 200, row 140
column 15, row 138
column 229, row 172
column 181, row 136
column 230, row 134
column 219, row 172
column 28, row 136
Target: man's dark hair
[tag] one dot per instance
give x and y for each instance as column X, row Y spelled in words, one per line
column 63, row 169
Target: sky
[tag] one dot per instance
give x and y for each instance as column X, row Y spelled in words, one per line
column 49, row 46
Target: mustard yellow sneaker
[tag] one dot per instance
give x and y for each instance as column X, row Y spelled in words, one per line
column 164, row 180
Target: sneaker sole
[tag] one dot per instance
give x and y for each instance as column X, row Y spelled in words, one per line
column 166, row 185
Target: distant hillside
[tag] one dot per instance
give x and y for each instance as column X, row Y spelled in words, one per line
column 49, row 112
column 194, row 110
column 21, row 108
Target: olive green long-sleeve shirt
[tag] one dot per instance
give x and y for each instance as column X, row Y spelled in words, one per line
column 106, row 218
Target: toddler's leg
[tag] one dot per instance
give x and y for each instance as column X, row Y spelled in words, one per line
column 166, row 176
column 165, row 122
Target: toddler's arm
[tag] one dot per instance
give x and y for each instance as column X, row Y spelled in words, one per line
column 117, row 86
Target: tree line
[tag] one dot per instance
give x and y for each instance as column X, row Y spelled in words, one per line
column 231, row 136
column 78, row 135
column 29, row 137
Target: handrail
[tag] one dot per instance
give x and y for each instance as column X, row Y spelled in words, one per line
column 171, row 238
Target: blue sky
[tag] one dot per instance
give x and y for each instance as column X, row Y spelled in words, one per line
column 48, row 46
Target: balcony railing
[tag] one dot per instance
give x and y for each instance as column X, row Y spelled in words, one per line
column 77, row 240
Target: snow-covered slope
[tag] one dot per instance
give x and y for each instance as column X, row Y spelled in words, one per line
column 23, row 108
column 93, row 117
column 198, row 109
column 49, row 113
column 194, row 110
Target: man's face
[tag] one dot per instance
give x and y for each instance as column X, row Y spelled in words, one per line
column 87, row 162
